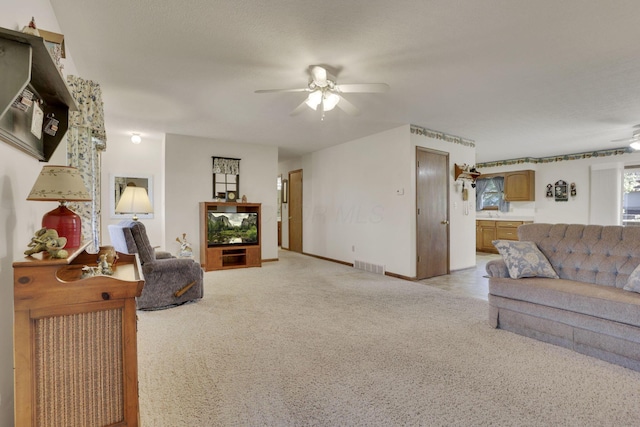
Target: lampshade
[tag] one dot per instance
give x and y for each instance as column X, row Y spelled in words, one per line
column 62, row 184
column 314, row 99
column 134, row 200
column 635, row 145
column 330, row 101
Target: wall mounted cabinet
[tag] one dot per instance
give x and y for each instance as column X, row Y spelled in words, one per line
column 520, row 186
column 25, row 63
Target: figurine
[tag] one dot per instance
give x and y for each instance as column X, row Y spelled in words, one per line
column 31, row 28
column 185, row 247
column 244, row 199
column 47, row 240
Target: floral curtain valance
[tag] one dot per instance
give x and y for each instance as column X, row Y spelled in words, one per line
column 226, row 165
column 90, row 114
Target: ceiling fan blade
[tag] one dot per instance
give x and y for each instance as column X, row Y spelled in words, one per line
column 319, row 75
column 299, row 109
column 282, row 90
column 347, row 107
column 625, row 140
column 363, row 88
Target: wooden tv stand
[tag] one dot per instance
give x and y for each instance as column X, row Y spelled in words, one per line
column 230, row 256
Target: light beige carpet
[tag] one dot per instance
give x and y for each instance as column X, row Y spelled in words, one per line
column 305, row 342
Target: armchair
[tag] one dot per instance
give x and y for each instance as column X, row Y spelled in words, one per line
column 169, row 281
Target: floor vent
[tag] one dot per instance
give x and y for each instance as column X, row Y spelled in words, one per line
column 367, row 266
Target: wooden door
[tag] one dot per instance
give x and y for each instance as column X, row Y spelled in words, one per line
column 295, row 211
column 432, row 204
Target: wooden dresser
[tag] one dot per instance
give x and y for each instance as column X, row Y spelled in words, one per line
column 75, row 346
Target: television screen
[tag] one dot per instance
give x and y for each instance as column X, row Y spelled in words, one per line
column 232, row 228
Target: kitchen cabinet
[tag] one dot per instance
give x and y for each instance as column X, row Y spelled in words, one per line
column 520, row 186
column 487, row 231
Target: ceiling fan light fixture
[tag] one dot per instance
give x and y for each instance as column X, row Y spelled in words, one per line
column 330, row 101
column 635, row 145
column 314, row 99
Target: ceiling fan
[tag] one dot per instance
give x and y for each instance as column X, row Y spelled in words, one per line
column 634, row 141
column 326, row 94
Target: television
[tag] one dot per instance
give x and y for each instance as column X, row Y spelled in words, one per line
column 232, row 228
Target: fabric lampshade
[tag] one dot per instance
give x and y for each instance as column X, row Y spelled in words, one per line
column 62, row 184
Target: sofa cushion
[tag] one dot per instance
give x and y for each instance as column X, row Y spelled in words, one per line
column 524, row 259
column 606, row 302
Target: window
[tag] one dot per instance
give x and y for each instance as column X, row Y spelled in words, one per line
column 226, row 176
column 631, row 196
column 488, row 194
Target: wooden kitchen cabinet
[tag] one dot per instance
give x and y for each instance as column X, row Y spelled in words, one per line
column 487, row 231
column 485, row 234
column 75, row 356
column 520, row 186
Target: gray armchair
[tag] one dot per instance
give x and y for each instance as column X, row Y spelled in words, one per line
column 169, row 281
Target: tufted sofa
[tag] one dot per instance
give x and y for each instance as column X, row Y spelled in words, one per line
column 586, row 309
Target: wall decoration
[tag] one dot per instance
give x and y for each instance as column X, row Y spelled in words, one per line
column 549, row 190
column 560, row 191
column 573, row 189
column 226, row 177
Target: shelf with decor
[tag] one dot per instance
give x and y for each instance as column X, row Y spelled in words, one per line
column 464, row 172
column 230, row 235
column 27, row 65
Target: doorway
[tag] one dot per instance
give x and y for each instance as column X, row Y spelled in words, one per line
column 432, row 213
column 295, row 210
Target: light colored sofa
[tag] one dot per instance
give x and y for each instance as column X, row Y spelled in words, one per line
column 586, row 309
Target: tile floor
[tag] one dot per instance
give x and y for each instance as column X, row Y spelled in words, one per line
column 470, row 281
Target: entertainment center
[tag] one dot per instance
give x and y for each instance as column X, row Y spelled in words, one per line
column 230, row 235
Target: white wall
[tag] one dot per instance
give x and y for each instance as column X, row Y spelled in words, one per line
column 351, row 209
column 123, row 158
column 188, row 181
column 592, row 205
column 20, row 219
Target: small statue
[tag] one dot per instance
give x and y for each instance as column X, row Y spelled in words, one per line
column 47, row 240
column 185, row 247
column 102, row 269
column 244, row 199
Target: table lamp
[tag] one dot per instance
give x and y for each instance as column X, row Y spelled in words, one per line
column 134, row 200
column 63, row 184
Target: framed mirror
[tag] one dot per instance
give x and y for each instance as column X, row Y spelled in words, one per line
column 117, row 184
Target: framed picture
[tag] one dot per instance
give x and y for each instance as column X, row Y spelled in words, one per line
column 285, row 191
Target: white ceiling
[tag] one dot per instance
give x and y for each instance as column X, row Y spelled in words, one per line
column 519, row 77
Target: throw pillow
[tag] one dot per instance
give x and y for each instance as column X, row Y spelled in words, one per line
column 524, row 259
column 633, row 282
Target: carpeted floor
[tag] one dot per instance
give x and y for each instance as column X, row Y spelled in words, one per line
column 305, row 342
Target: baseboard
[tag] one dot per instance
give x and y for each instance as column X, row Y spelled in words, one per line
column 350, row 264
column 270, row 260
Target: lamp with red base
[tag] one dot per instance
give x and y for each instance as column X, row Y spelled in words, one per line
column 63, row 184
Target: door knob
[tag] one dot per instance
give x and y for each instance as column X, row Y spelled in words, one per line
column 445, row 222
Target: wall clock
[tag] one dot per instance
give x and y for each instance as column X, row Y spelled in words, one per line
column 231, row 196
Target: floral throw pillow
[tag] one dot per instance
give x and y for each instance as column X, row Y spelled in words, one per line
column 524, row 259
column 633, row 282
